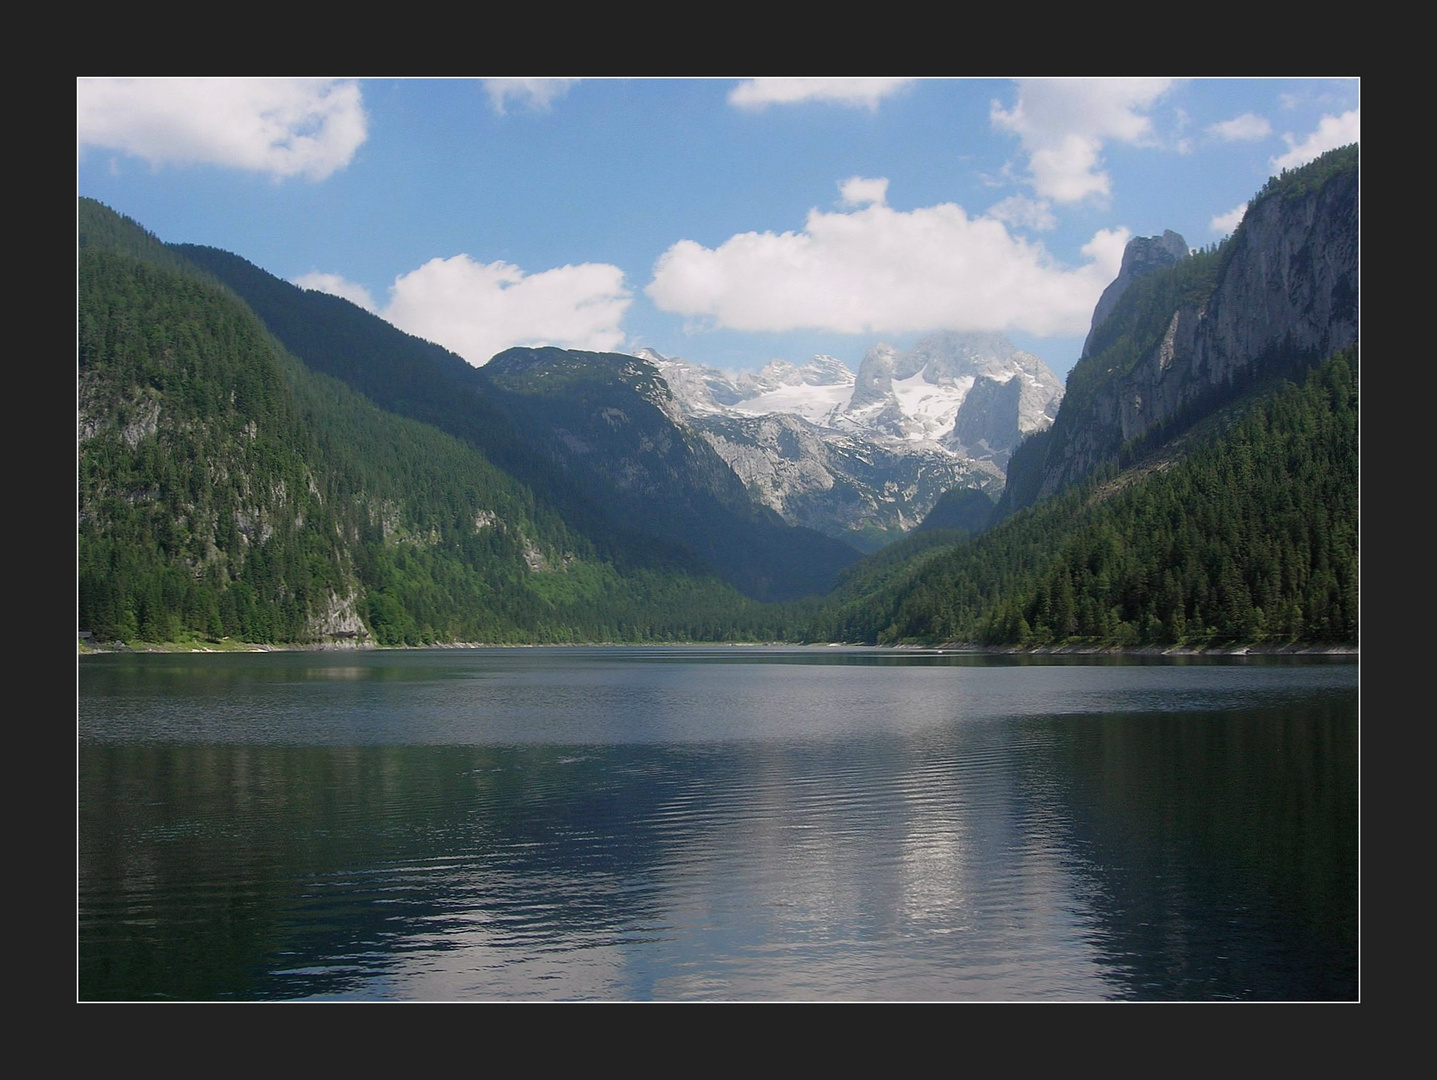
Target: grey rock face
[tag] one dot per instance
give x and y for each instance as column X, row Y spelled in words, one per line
column 838, row 452
column 1288, row 291
column 339, row 620
column 1141, row 257
column 989, row 425
column 921, row 394
column 839, row 483
column 1285, row 294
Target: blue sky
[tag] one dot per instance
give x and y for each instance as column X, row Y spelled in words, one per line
column 727, row 221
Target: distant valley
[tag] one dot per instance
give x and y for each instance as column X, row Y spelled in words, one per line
column 867, row 455
column 263, row 463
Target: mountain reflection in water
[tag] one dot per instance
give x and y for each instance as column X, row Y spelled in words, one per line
column 715, row 823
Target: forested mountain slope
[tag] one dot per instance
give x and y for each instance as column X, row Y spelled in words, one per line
column 198, row 504
column 1200, row 483
column 595, row 436
column 317, row 475
column 1278, row 296
column 1252, row 538
column 227, row 490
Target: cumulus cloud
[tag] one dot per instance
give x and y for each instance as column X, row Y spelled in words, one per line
column 879, row 270
column 1182, row 144
column 858, row 93
column 530, row 93
column 1332, row 132
column 284, row 127
column 1024, row 212
column 335, row 285
column 1244, row 128
column 479, row 309
column 1226, row 223
column 1064, row 123
column 1105, row 250
column 860, row 191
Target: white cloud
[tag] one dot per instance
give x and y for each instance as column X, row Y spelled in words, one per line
column 284, row 127
column 859, row 93
column 1332, row 132
column 1106, row 250
column 860, row 191
column 1064, row 123
column 477, row 309
column 1226, row 223
column 530, row 93
column 878, row 270
column 1025, row 212
column 1244, row 128
column 338, row 286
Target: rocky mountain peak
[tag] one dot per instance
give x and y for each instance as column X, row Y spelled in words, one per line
column 848, row 453
column 1280, row 295
column 949, row 354
column 1142, row 256
column 825, row 370
column 918, row 394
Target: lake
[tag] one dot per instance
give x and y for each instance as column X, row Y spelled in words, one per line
column 716, row 823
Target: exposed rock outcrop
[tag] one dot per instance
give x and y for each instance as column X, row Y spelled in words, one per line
column 1141, row 257
column 1280, row 294
column 840, row 484
column 920, row 393
column 339, row 621
column 849, row 454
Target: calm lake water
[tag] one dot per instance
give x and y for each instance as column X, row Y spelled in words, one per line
column 723, row 823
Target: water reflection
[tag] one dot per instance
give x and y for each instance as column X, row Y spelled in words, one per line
column 1224, row 849
column 577, row 824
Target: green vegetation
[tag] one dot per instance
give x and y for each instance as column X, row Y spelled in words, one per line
column 1295, row 183
column 194, row 490
column 583, row 432
column 1250, row 539
column 310, row 473
column 225, row 490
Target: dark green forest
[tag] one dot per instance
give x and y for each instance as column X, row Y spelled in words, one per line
column 583, row 432
column 225, row 490
column 1251, row 538
column 266, row 465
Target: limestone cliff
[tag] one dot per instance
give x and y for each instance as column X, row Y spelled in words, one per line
column 1280, row 294
column 1142, row 256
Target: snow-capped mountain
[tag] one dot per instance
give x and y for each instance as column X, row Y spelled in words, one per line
column 920, row 395
column 871, row 451
column 814, row 391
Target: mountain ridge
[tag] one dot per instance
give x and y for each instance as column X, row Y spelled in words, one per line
column 1198, row 486
column 1278, row 295
column 865, row 456
column 226, row 490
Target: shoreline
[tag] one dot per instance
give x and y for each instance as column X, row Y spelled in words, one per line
column 227, row 646
column 1159, row 650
